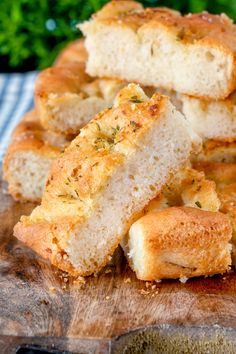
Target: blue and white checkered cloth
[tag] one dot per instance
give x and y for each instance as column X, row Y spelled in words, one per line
column 16, row 98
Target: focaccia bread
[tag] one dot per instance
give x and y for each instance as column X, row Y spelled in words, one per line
column 192, row 54
column 211, row 119
column 220, row 172
column 104, row 179
column 29, row 157
column 188, row 187
column 217, row 151
column 224, row 175
column 179, row 242
column 66, row 98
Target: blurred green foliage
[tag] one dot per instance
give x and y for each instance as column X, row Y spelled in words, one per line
column 32, row 32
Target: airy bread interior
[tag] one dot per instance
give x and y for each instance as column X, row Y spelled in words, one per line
column 211, row 119
column 161, row 48
column 27, row 174
column 102, row 182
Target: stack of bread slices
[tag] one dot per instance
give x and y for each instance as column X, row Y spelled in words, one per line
column 132, row 143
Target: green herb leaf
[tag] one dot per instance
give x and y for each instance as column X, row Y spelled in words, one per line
column 198, row 204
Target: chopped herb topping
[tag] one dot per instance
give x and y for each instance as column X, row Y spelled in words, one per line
column 152, row 51
column 198, row 204
column 115, row 130
column 77, row 194
column 135, row 99
column 135, row 125
column 103, row 142
column 98, row 126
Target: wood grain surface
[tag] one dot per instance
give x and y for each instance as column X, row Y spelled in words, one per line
column 41, row 305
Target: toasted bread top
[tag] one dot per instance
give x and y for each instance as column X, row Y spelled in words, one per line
column 192, row 28
column 171, row 227
column 101, row 145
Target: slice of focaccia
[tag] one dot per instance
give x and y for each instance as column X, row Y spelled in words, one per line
column 192, row 54
column 100, row 185
column 155, row 248
column 217, row 151
column 211, row 119
column 179, row 242
column 188, row 187
column 224, row 175
column 66, row 98
column 29, row 157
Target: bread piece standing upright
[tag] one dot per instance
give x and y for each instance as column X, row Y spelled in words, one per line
column 211, row 119
column 179, row 242
column 192, row 54
column 102, row 182
column 29, row 157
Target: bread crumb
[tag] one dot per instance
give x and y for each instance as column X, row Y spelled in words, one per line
column 148, row 285
column 183, row 279
column 79, row 281
column 107, row 297
column 127, row 280
column 153, row 287
column 108, row 271
column 158, row 280
column 144, row 292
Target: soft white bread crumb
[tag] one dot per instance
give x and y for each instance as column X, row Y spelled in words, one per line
column 211, row 119
column 115, row 166
column 179, row 242
column 29, row 157
column 192, row 54
column 66, row 98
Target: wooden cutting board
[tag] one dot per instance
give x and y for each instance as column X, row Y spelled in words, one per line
column 111, row 313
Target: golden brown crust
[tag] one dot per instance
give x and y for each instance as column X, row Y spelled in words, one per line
column 217, row 151
column 184, row 242
column 66, row 98
column 220, row 172
column 73, row 52
column 227, row 195
column 29, row 136
column 48, row 240
column 56, row 82
column 224, row 175
column 203, row 29
column 40, row 237
column 79, row 175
